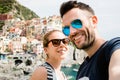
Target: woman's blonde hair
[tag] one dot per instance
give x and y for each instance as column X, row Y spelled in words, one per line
column 46, row 37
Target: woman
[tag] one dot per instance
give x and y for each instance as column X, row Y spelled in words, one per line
column 55, row 45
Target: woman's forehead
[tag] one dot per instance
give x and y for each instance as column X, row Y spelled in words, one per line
column 57, row 35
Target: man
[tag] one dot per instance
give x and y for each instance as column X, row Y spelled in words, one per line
column 80, row 25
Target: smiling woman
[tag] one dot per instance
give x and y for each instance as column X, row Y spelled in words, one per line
column 55, row 45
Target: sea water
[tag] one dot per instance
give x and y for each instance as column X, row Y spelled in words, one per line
column 71, row 72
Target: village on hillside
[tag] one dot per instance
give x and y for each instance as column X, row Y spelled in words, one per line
column 21, row 48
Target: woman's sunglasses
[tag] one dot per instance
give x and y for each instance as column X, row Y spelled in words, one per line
column 75, row 24
column 57, row 42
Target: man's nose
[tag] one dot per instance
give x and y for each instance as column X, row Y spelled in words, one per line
column 72, row 30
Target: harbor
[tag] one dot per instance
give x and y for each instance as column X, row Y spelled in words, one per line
column 21, row 66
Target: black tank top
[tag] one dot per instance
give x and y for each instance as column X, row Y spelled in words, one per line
column 96, row 67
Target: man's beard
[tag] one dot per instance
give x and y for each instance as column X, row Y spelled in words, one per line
column 88, row 43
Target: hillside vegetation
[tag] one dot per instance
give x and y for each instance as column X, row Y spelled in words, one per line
column 16, row 9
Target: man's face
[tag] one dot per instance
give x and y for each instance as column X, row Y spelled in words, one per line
column 84, row 36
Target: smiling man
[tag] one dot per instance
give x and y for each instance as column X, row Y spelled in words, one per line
column 80, row 25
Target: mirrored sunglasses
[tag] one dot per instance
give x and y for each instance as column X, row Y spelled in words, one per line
column 77, row 24
column 57, row 42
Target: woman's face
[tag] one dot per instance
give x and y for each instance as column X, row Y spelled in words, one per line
column 59, row 51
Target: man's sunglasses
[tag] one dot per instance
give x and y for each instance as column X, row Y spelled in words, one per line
column 77, row 24
column 57, row 42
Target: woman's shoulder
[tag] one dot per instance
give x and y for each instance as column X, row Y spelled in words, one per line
column 40, row 73
column 41, row 70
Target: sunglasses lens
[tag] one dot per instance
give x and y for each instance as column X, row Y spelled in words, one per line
column 76, row 24
column 56, row 42
column 66, row 41
column 66, row 30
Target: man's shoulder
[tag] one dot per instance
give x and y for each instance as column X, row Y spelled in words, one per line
column 115, row 39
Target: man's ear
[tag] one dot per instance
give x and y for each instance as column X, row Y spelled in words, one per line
column 94, row 21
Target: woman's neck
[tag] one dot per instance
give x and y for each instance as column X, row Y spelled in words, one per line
column 55, row 64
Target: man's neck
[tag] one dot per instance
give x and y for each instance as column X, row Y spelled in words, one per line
column 96, row 45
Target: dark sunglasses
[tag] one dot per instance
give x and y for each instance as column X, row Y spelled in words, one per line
column 77, row 24
column 57, row 42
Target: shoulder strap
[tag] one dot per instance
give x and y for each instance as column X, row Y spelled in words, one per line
column 104, row 56
column 50, row 71
column 108, row 48
column 111, row 46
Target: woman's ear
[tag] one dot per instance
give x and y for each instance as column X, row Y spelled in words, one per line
column 45, row 50
column 46, row 53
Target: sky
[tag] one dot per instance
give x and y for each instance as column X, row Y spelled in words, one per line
column 107, row 11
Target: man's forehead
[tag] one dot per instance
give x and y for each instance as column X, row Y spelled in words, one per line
column 73, row 14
